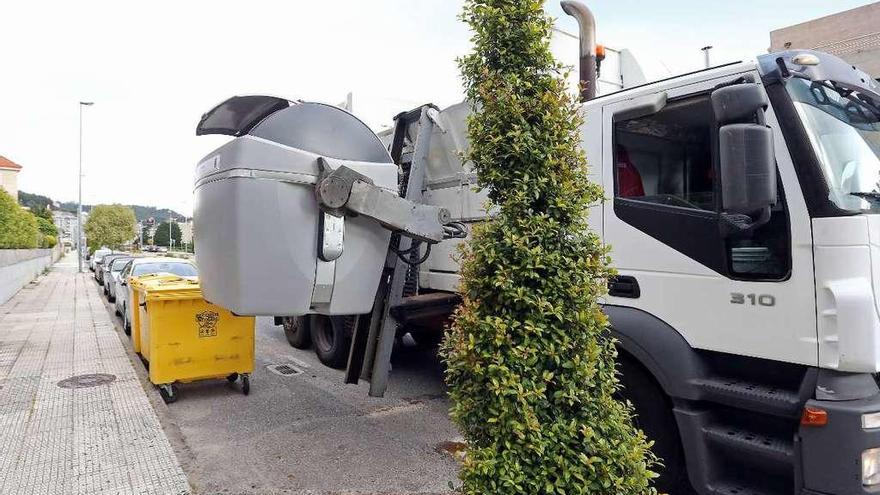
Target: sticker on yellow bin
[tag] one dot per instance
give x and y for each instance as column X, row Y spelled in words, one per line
column 207, row 323
column 185, row 338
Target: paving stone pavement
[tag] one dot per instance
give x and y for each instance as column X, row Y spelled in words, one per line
column 54, row 440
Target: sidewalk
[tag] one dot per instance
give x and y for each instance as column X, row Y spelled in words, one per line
column 61, row 432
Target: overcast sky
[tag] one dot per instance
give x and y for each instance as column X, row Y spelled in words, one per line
column 152, row 68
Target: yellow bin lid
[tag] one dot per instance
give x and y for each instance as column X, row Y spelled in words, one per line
column 172, row 288
column 140, row 280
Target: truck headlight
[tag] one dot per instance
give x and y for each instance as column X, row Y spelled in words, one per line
column 871, row 467
column 871, row 420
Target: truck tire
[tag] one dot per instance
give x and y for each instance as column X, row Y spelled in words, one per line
column 331, row 337
column 654, row 416
column 427, row 339
column 296, row 329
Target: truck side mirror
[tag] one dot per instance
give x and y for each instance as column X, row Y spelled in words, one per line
column 746, row 156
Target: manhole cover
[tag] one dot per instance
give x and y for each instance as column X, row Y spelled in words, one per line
column 284, row 369
column 85, row 381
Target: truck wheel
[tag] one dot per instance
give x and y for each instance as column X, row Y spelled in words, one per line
column 296, row 329
column 331, row 336
column 654, row 416
column 427, row 339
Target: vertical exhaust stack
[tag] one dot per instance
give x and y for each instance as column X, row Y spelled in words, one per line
column 588, row 61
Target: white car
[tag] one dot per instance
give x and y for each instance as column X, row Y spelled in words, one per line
column 146, row 266
column 97, row 256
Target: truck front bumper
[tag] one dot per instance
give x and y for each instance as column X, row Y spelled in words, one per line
column 831, row 455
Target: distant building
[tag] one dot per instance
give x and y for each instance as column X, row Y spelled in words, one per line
column 186, row 231
column 9, row 176
column 65, row 222
column 853, row 35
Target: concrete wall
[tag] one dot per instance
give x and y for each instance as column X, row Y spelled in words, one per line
column 853, row 35
column 18, row 267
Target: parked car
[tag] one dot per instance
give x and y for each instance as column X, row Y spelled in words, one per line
column 100, row 266
column 97, row 256
column 114, row 268
column 144, row 266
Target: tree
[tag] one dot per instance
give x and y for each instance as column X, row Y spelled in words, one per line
column 530, row 361
column 160, row 238
column 109, row 225
column 18, row 227
column 145, row 235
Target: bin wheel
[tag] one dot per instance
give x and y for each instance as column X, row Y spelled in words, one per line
column 231, row 378
column 245, row 384
column 168, row 393
column 297, row 331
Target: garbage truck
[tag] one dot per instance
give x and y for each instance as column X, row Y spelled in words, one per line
column 743, row 211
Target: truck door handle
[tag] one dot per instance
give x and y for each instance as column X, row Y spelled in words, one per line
column 624, row 286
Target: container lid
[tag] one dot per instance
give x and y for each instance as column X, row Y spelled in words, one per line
column 239, row 114
column 286, row 140
column 140, row 280
column 172, row 288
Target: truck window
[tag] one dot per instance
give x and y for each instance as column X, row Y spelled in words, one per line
column 666, row 158
column 665, row 185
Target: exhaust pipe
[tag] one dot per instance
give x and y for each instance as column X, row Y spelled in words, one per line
column 588, row 61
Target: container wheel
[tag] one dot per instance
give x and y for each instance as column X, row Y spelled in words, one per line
column 168, row 393
column 232, row 378
column 245, row 384
column 331, row 336
column 297, row 331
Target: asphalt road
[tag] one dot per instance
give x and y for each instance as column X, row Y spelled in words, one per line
column 309, row 433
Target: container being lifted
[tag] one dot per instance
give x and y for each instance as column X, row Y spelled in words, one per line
column 305, row 196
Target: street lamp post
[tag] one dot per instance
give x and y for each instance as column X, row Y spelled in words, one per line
column 79, row 207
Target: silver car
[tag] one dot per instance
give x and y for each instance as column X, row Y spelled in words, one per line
column 97, row 256
column 111, row 272
column 145, row 266
column 101, row 268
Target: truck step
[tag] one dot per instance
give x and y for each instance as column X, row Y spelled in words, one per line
column 750, row 396
column 734, row 488
column 757, row 447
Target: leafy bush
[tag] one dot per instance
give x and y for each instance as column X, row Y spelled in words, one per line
column 49, row 241
column 48, row 232
column 531, row 364
column 18, row 227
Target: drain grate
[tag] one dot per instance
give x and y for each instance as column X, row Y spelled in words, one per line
column 86, row 381
column 284, row 369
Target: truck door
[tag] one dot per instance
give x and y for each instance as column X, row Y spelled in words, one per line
column 746, row 294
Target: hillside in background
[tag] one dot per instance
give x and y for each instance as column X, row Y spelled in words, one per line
column 36, row 201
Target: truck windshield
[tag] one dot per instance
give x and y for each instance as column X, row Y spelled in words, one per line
column 844, row 129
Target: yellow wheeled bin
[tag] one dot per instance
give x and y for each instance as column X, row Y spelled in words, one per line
column 185, row 338
column 136, row 297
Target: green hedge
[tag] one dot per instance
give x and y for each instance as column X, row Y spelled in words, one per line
column 531, row 364
column 18, row 227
